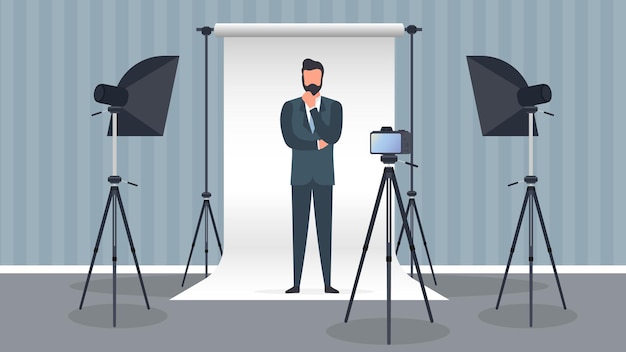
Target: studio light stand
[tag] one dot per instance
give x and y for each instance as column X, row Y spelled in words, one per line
column 506, row 107
column 530, row 201
column 389, row 181
column 411, row 207
column 138, row 107
column 112, row 202
column 206, row 210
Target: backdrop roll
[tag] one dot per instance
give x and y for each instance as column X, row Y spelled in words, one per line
column 262, row 64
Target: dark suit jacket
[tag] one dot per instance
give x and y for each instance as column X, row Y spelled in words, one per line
column 307, row 163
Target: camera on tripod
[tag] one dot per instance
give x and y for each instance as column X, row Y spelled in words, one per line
column 388, row 141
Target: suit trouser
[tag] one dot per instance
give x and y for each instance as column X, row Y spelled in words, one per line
column 300, row 210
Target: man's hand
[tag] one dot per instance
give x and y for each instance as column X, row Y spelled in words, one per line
column 309, row 99
column 322, row 144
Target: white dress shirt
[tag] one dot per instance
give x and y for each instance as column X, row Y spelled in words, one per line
column 310, row 118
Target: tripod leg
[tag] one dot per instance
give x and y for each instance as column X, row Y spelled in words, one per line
column 419, row 223
column 217, row 237
column 409, row 213
column 132, row 249
column 193, row 244
column 389, row 207
column 95, row 250
column 206, row 239
column 400, row 237
column 366, row 245
column 519, row 225
column 409, row 237
column 531, row 251
column 545, row 236
column 114, row 258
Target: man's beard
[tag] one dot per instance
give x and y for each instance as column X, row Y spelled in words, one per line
column 313, row 88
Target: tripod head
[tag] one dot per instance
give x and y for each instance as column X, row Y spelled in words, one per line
column 388, row 159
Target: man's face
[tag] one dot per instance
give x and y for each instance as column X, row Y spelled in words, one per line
column 312, row 80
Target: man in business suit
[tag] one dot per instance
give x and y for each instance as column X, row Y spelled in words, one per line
column 311, row 125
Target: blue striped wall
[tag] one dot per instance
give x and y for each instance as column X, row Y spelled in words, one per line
column 54, row 157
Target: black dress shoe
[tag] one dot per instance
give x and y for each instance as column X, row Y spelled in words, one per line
column 329, row 289
column 295, row 289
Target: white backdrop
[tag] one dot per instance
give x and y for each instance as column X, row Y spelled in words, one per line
column 262, row 66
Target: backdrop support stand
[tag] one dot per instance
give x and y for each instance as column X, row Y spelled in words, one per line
column 206, row 210
column 411, row 207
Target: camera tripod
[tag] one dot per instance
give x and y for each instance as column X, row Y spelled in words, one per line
column 113, row 201
column 388, row 180
column 206, row 204
column 530, row 201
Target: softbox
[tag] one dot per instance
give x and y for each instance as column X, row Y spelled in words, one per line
column 503, row 97
column 143, row 95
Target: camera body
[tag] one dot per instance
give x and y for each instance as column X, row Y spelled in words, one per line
column 388, row 141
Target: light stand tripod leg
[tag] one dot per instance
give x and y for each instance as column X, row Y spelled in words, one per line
column 531, row 251
column 366, row 245
column 193, row 244
column 95, row 250
column 132, row 249
column 206, row 239
column 114, row 253
column 411, row 245
column 519, row 225
column 545, row 236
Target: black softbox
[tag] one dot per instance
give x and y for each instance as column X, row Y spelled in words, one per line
column 503, row 98
column 143, row 95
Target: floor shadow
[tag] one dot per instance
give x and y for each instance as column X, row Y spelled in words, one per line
column 518, row 316
column 128, row 316
column 128, row 284
column 474, row 285
column 374, row 331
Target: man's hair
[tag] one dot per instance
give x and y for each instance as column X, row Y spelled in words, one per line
column 309, row 64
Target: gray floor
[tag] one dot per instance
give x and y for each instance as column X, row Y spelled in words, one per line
column 40, row 311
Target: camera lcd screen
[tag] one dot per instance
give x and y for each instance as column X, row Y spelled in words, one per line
column 385, row 143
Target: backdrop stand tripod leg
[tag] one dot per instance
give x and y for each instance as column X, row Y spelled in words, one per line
column 411, row 243
column 412, row 209
column 205, row 211
column 388, row 180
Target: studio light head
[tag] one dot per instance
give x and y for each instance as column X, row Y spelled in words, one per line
column 534, row 95
column 110, row 95
column 388, row 141
column 142, row 96
column 503, row 98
